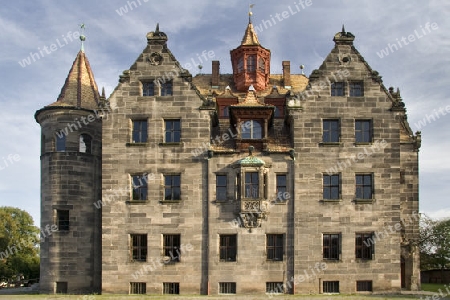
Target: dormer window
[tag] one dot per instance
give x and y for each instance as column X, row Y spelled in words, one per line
column 251, row 129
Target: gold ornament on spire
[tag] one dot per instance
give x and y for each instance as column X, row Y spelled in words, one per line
column 250, row 12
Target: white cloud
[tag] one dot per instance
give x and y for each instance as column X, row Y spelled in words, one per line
column 113, row 43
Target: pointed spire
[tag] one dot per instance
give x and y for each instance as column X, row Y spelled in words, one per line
column 79, row 89
column 157, row 28
column 250, row 38
column 103, row 92
column 343, row 29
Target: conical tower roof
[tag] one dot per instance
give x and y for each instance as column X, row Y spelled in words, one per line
column 250, row 38
column 80, row 89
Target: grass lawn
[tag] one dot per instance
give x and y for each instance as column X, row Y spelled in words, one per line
column 240, row 297
column 434, row 287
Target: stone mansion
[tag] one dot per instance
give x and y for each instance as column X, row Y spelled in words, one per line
column 242, row 183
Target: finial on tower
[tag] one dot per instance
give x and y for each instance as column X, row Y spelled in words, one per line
column 157, row 28
column 82, row 36
column 250, row 12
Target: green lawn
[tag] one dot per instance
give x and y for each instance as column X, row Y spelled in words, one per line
column 434, row 287
column 240, row 297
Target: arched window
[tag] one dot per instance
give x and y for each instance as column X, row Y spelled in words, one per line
column 60, row 141
column 85, row 143
column 251, row 63
column 251, row 129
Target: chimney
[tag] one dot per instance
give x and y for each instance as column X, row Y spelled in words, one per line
column 287, row 74
column 215, row 74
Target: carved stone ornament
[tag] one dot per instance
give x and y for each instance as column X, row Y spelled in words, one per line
column 155, row 59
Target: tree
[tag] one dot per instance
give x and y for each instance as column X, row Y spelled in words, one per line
column 434, row 243
column 19, row 244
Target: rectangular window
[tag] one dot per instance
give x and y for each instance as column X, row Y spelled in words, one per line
column 274, row 247
column 252, row 185
column 138, row 288
column 364, row 189
column 251, row 129
column 281, row 187
column 172, row 246
column 148, row 88
column 221, row 187
column 227, row 287
column 356, row 89
column 171, row 288
column 261, row 65
column 140, row 131
column 224, row 111
column 331, row 246
column 331, row 286
column 62, row 218
column 279, row 112
column 363, row 131
column 240, row 65
column 275, row 287
column 138, row 247
column 140, row 187
column 237, row 186
column 166, row 88
column 251, row 63
column 172, row 187
column 61, row 287
column 172, row 131
column 85, row 145
column 331, row 186
column 337, row 89
column 364, row 245
column 228, row 247
column 331, row 131
column 60, row 142
column 364, row 286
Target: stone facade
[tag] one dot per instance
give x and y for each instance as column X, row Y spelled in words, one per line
column 294, row 184
column 70, row 184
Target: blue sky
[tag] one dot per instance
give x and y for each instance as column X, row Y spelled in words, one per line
column 44, row 33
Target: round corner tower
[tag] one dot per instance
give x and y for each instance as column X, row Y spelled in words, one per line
column 71, row 140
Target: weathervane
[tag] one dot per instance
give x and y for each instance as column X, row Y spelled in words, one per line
column 250, row 12
column 82, row 36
